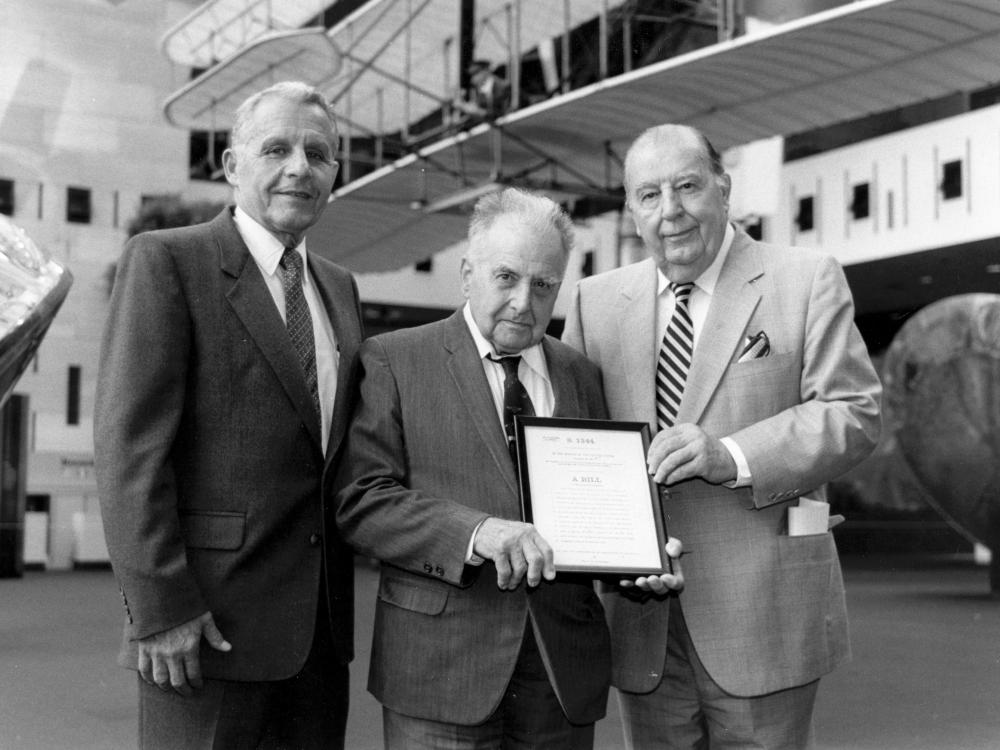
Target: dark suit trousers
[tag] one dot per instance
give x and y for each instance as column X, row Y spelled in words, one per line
column 529, row 717
column 306, row 711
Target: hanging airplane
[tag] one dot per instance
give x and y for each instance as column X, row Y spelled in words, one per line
column 887, row 111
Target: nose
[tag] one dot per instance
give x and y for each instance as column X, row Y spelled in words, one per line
column 670, row 205
column 297, row 162
column 520, row 297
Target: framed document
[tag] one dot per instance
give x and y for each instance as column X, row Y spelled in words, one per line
column 585, row 487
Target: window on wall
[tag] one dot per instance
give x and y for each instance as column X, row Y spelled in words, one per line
column 587, row 267
column 78, row 205
column 804, row 218
column 205, row 154
column 424, row 266
column 73, row 396
column 951, row 180
column 37, row 503
column 859, row 201
column 7, row 197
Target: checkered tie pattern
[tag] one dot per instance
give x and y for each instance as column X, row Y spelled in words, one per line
column 515, row 400
column 675, row 358
column 298, row 320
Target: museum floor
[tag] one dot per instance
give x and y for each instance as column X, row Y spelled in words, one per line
column 925, row 673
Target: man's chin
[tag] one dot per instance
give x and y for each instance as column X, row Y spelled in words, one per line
column 512, row 344
column 293, row 223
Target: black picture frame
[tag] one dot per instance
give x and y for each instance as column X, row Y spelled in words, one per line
column 629, row 442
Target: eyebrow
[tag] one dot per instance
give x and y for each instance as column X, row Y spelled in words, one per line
column 308, row 142
column 690, row 175
column 313, row 141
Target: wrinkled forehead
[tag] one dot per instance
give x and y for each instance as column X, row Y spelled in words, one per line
column 665, row 164
column 280, row 116
column 519, row 247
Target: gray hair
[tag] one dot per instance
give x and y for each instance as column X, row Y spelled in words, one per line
column 535, row 211
column 663, row 132
column 293, row 91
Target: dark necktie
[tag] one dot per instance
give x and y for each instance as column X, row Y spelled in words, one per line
column 299, row 321
column 675, row 358
column 515, row 400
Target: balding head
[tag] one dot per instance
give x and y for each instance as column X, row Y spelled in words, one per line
column 671, row 133
column 678, row 194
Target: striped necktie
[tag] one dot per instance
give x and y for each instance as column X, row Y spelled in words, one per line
column 675, row 358
column 299, row 321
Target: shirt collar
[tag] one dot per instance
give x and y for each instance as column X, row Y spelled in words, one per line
column 265, row 248
column 533, row 356
column 710, row 276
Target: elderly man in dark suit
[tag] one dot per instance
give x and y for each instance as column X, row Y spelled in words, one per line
column 745, row 358
column 224, row 391
column 464, row 655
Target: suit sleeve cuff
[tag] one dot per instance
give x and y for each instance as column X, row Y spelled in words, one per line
column 471, row 558
column 743, row 478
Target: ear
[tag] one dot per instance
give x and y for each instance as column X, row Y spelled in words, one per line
column 466, row 271
column 725, row 184
column 229, row 165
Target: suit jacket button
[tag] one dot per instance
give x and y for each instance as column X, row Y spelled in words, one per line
column 314, row 539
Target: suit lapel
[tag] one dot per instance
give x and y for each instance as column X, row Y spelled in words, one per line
column 566, row 398
column 469, row 379
column 340, row 309
column 253, row 304
column 733, row 302
column 637, row 312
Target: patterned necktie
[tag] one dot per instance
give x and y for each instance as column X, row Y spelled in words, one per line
column 298, row 320
column 515, row 400
column 675, row 358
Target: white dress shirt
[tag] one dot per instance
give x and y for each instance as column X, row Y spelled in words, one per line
column 698, row 304
column 533, row 374
column 267, row 250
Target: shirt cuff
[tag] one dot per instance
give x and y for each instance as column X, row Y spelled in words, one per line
column 471, row 558
column 743, row 478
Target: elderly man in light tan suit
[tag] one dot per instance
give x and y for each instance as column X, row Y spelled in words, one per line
column 779, row 397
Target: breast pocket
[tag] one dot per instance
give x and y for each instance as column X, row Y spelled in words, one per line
column 763, row 387
column 772, row 364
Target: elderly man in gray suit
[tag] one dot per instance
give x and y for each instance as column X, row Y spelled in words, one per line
column 464, row 654
column 745, row 358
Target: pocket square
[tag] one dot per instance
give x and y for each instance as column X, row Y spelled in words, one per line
column 755, row 347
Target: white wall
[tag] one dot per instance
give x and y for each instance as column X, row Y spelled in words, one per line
column 81, row 88
column 904, row 173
